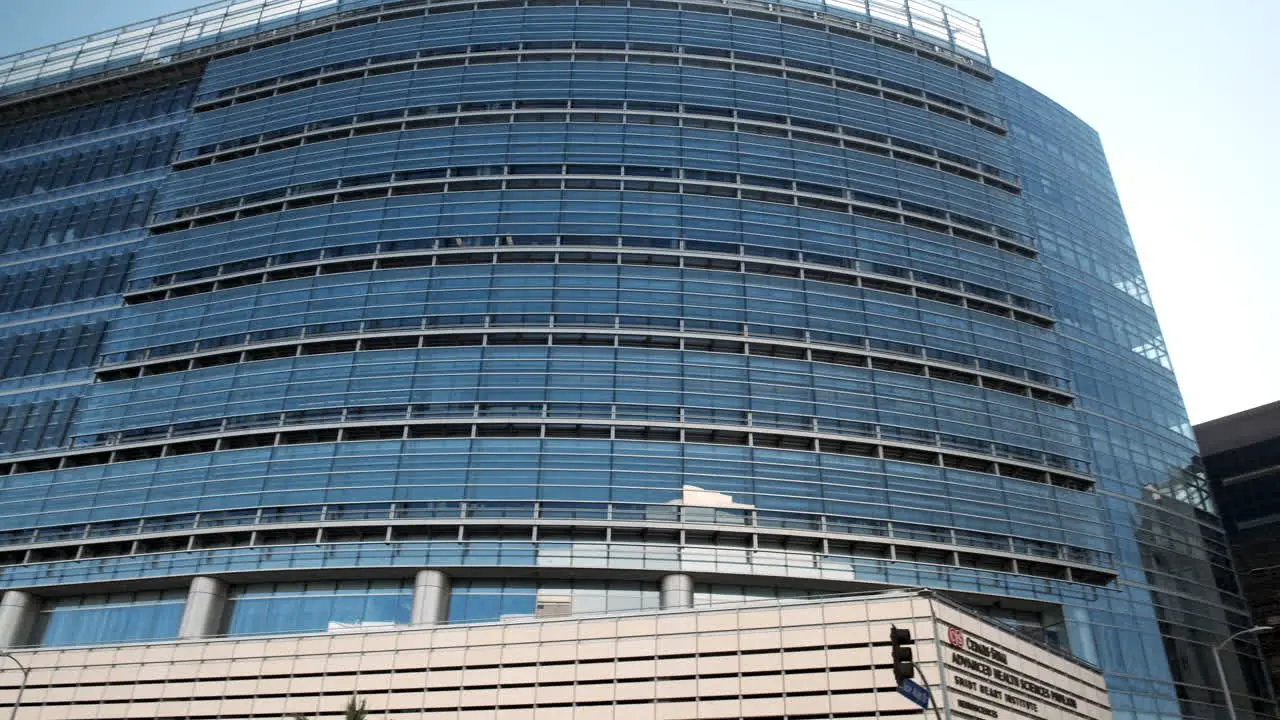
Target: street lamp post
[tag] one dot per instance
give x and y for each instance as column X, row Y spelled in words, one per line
column 21, row 686
column 1217, row 659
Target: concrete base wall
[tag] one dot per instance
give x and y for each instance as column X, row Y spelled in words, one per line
column 806, row 658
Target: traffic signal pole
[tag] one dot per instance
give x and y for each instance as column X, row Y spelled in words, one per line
column 905, row 667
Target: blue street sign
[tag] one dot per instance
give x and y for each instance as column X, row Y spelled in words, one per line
column 914, row 691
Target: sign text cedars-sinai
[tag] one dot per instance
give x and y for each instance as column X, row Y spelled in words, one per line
column 957, row 638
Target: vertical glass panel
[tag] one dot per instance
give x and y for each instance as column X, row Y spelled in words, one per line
column 494, row 600
column 317, row 607
column 118, row 617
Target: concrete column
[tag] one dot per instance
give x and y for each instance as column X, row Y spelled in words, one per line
column 18, row 611
column 677, row 591
column 206, row 601
column 430, row 597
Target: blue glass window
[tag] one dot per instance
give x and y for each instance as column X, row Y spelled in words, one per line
column 117, row 617
column 317, row 606
column 490, row 600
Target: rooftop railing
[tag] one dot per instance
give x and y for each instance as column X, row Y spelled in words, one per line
column 157, row 40
column 161, row 40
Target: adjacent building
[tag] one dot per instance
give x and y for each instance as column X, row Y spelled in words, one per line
column 1241, row 454
column 324, row 316
column 760, row 659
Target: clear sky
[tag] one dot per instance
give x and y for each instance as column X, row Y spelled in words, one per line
column 1186, row 97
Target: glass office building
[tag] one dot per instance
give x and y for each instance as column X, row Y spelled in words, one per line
column 321, row 315
column 1241, row 456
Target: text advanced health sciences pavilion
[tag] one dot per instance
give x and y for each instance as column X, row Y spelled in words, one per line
column 332, row 314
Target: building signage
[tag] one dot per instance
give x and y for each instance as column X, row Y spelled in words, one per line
column 987, row 661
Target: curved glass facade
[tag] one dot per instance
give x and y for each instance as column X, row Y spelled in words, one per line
column 564, row 298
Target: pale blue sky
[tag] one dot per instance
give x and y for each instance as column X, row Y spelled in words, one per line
column 1186, row 97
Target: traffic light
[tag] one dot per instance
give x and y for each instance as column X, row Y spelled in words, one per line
column 903, row 667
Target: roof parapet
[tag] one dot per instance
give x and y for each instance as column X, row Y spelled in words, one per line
column 200, row 30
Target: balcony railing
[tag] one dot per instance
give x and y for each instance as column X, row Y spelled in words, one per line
column 163, row 39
